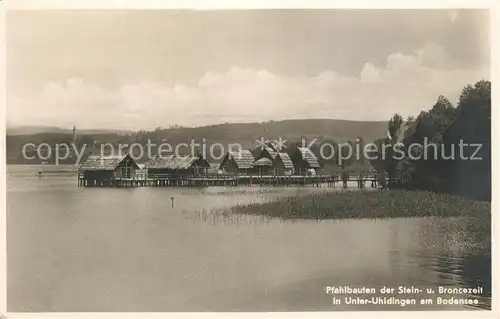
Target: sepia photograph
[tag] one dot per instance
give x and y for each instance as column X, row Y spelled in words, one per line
column 248, row 160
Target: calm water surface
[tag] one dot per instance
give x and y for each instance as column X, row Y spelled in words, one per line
column 97, row 249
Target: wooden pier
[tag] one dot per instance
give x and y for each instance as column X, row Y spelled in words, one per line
column 233, row 180
column 191, row 171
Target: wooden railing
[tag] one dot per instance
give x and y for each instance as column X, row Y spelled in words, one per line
column 350, row 177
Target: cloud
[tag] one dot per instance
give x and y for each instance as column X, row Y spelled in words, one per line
column 370, row 74
column 407, row 84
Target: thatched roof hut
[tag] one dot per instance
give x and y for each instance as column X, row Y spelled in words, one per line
column 97, row 169
column 308, row 156
column 243, row 159
column 238, row 162
column 263, row 166
column 304, row 160
column 106, row 163
column 177, row 166
column 175, row 162
column 285, row 159
column 269, row 153
column 263, row 162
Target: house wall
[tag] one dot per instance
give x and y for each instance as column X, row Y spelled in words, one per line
column 248, row 171
column 278, row 167
column 198, row 170
column 297, row 162
column 181, row 173
column 97, row 175
column 264, row 170
column 142, row 174
column 153, row 172
column 300, row 166
column 119, row 174
column 175, row 173
column 160, row 172
column 230, row 166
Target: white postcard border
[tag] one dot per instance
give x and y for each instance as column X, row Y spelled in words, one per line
column 6, row 5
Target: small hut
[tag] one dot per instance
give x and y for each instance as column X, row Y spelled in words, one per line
column 280, row 163
column 102, row 170
column 304, row 160
column 283, row 165
column 177, row 167
column 263, row 166
column 238, row 163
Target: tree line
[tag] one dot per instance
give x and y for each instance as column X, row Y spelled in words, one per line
column 451, row 149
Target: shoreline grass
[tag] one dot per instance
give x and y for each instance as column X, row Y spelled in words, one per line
column 367, row 204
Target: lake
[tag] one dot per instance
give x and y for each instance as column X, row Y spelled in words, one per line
column 74, row 249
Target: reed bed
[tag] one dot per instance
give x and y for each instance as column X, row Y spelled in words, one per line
column 363, row 204
column 221, row 216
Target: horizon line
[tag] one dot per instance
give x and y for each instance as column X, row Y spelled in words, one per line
column 17, row 126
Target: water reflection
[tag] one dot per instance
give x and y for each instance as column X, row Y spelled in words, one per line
column 76, row 249
column 394, row 253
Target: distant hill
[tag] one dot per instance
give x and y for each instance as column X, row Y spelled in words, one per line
column 245, row 134
column 321, row 129
column 32, row 129
column 27, row 130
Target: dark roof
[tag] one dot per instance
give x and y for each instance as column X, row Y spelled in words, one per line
column 243, row 159
column 287, row 162
column 104, row 163
column 270, row 145
column 175, row 162
column 263, row 162
column 271, row 152
column 309, row 157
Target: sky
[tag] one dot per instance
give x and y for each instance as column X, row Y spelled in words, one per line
column 155, row 68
